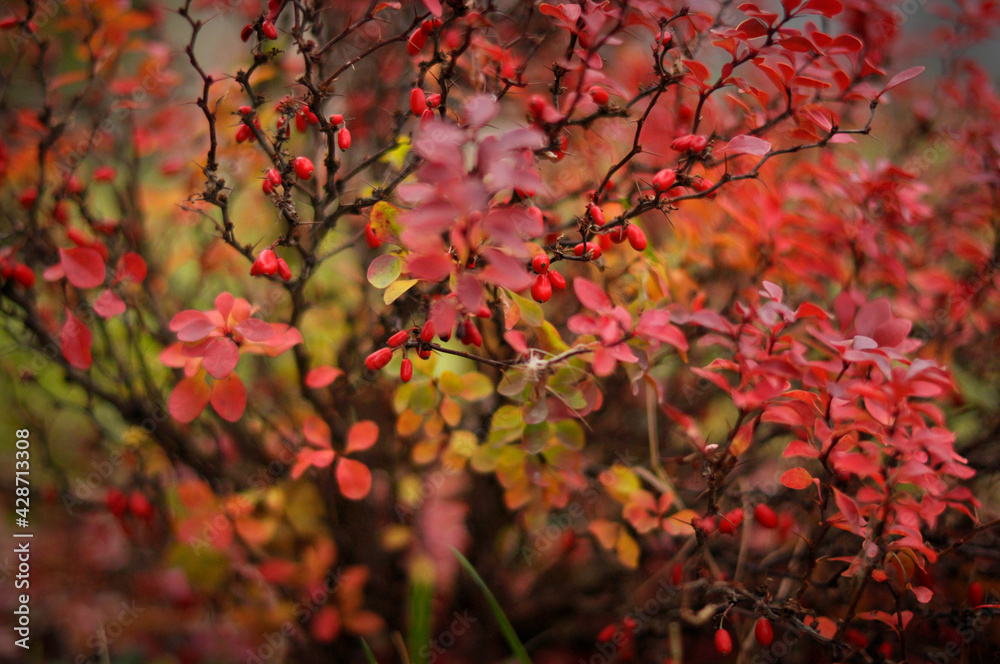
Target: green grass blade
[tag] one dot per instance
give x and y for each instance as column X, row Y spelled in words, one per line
column 421, row 596
column 369, row 655
column 505, row 627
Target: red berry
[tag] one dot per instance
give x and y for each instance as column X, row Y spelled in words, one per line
column 117, row 501
column 418, row 101
column 303, row 167
column 629, row 624
column 344, row 139
column 423, row 354
column 596, row 213
column 311, row 117
column 140, row 506
column 427, row 332
column 433, row 100
column 283, row 270
column 701, row 184
column 244, row 133
column 636, row 237
column 665, row 179
column 472, row 336
column 603, row 241
column 607, row 633
column 723, row 642
column 336, row 119
column 406, row 371
column 273, row 176
column 371, row 238
column 28, row 197
column 398, row 339
column 540, row 263
column 974, row 595
column 268, row 261
column 599, row 95
column 765, row 516
column 536, row 104
column 378, row 359
column 618, row 235
column 556, row 279
column 104, row 173
column 245, row 110
column 416, row 43
column 23, row 275
column 763, row 631
column 592, row 248
column 427, row 26
column 541, row 290
column 731, row 521
column 246, row 32
column 300, row 122
column 269, row 30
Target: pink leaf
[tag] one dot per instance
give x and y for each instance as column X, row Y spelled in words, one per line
column 901, row 77
column 745, row 144
column 109, row 305
column 76, row 340
column 188, row 399
column 316, row 431
column 229, row 398
column 430, row 267
column 434, row 7
column 796, row 478
column 322, row 376
column 255, row 329
column 361, row 436
column 196, row 328
column 591, row 296
column 83, row 266
column 354, row 478
column 922, row 593
column 131, row 267
column 221, row 357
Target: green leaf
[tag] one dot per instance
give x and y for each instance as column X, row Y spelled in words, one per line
column 569, row 433
column 535, row 437
column 384, row 220
column 369, row 655
column 396, row 289
column 384, row 270
column 531, row 312
column 505, row 627
column 421, row 595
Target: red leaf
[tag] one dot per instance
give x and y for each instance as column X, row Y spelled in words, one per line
column 354, row 478
column 196, row 327
column 810, row 310
column 109, row 305
column 796, row 478
column 188, row 399
column 745, row 144
column 76, row 340
column 255, row 329
column 83, row 266
column 229, row 398
column 131, row 266
column 431, row 267
column 591, row 296
column 829, row 8
column 221, row 357
column 322, row 376
column 849, row 509
column 361, row 436
column 901, row 77
column 325, row 625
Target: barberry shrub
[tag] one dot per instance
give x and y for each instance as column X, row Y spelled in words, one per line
column 678, row 320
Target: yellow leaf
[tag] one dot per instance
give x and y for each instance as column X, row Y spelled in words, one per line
column 397, row 288
column 627, row 550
